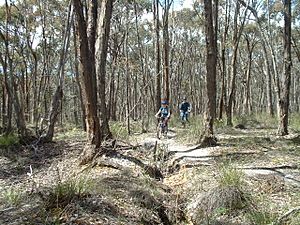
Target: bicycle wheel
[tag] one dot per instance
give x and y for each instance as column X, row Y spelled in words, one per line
column 159, row 131
column 165, row 131
column 184, row 120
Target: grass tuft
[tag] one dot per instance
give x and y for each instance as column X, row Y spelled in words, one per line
column 193, row 130
column 12, row 197
column 295, row 121
column 74, row 133
column 230, row 176
column 262, row 217
column 8, row 140
column 65, row 192
column 119, row 130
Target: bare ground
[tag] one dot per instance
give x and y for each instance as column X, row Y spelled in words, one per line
column 124, row 192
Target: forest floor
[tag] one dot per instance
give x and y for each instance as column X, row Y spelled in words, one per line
column 153, row 181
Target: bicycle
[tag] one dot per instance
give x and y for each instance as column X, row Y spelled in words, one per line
column 162, row 128
column 183, row 117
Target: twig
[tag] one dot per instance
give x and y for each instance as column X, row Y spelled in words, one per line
column 274, row 168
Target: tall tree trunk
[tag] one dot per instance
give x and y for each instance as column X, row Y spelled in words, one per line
column 166, row 50
column 211, row 89
column 157, row 52
column 284, row 101
column 265, row 42
column 246, row 104
column 223, row 95
column 87, row 63
column 12, row 89
column 103, row 30
column 58, row 95
column 77, row 77
column 235, row 44
column 127, row 75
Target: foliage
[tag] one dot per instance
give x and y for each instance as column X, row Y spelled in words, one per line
column 12, row 196
column 220, row 123
column 8, row 140
column 295, row 220
column 230, row 176
column 119, row 130
column 266, row 120
column 262, row 217
column 295, row 121
column 65, row 192
column 193, row 129
column 70, row 133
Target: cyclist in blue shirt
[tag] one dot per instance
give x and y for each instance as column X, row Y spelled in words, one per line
column 164, row 111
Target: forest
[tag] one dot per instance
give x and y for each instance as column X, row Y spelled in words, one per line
column 81, row 82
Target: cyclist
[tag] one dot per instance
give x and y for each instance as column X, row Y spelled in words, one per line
column 185, row 109
column 164, row 112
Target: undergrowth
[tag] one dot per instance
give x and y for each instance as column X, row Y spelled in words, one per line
column 193, row 130
column 230, row 176
column 261, row 217
column 8, row 140
column 295, row 122
column 12, row 196
column 72, row 133
column 119, row 129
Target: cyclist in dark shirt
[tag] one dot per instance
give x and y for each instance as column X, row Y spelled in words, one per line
column 185, row 109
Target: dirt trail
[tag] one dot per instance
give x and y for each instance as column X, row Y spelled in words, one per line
column 266, row 163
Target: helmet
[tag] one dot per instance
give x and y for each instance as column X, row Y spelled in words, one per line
column 164, row 102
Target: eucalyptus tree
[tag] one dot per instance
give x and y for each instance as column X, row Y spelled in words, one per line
column 224, row 28
column 58, row 95
column 284, row 100
column 187, row 47
column 211, row 62
column 7, row 107
column 103, row 31
column 250, row 36
column 267, row 46
column 166, row 49
column 36, row 44
column 93, row 49
column 9, row 64
column 236, row 36
column 156, row 25
column 268, row 38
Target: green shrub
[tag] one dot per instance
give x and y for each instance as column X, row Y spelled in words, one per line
column 8, row 140
column 242, row 119
column 265, row 120
column 295, row 121
column 256, row 120
column 65, row 192
column 119, row 130
column 12, row 197
column 72, row 133
column 261, row 217
column 220, row 123
column 295, row 220
column 193, row 130
column 230, row 176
